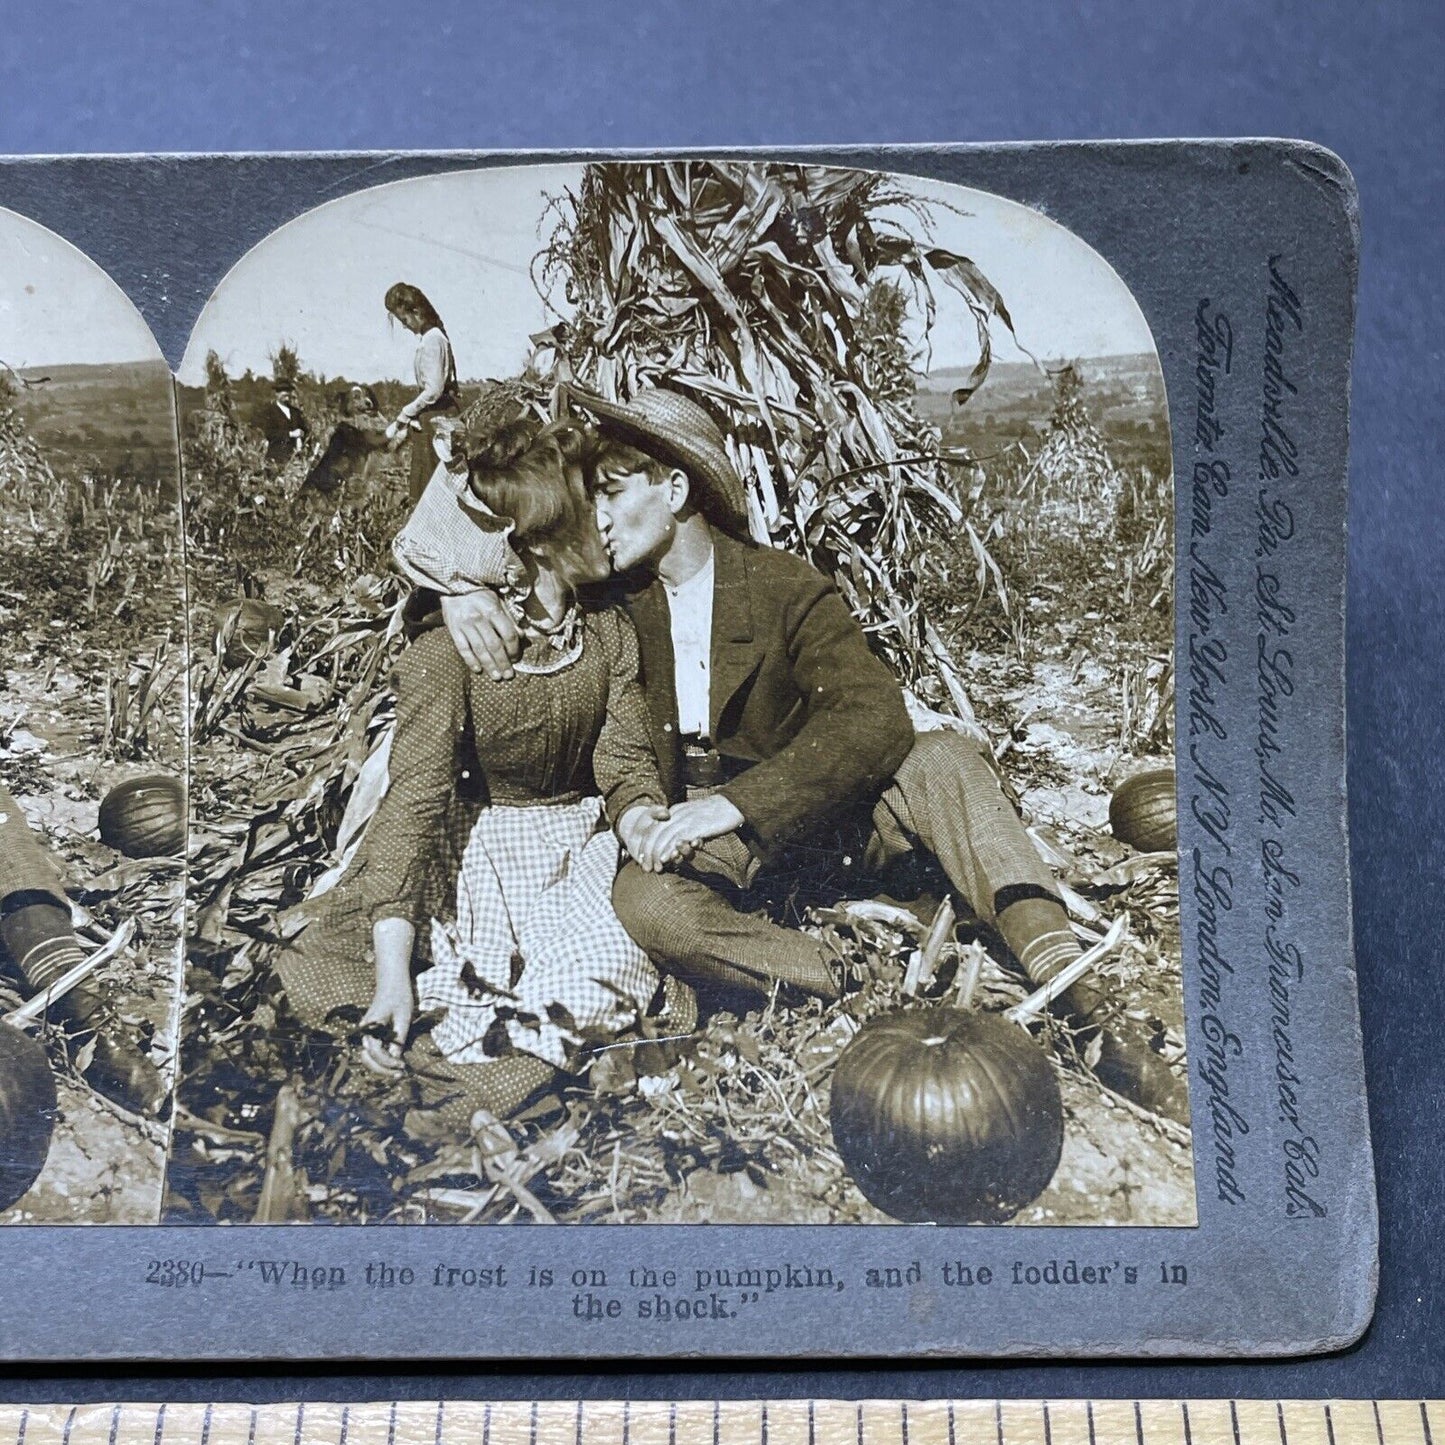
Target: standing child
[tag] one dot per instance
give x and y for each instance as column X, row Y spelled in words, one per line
column 436, row 376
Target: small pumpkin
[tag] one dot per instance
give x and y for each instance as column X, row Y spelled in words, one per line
column 145, row 817
column 27, row 1113
column 946, row 1116
column 246, row 629
column 1142, row 812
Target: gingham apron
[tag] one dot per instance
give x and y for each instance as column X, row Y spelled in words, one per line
column 536, row 949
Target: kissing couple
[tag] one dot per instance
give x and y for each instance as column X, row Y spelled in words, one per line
column 619, row 713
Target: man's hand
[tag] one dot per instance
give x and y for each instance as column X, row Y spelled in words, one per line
column 638, row 829
column 689, row 825
column 483, row 631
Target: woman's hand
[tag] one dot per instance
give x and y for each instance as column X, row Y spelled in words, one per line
column 391, row 1012
column 639, row 829
column 394, row 1005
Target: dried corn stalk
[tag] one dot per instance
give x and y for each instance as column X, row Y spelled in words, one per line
column 748, row 287
column 26, row 478
column 1072, row 479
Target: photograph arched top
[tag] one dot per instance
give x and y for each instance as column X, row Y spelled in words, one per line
column 472, row 240
column 58, row 308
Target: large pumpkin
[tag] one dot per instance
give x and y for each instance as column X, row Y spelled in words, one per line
column 247, row 629
column 145, row 817
column 1142, row 812
column 27, row 1112
column 946, row 1117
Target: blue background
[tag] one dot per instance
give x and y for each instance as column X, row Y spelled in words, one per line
column 1364, row 79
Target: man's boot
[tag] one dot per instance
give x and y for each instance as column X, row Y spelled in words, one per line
column 1037, row 930
column 37, row 934
column 117, row 1068
column 1126, row 1064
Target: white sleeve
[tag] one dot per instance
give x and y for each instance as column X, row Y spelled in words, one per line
column 432, row 354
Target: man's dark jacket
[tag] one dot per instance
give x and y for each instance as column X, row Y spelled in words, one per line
column 795, row 692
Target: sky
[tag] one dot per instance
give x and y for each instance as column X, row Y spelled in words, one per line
column 468, row 238
column 57, row 307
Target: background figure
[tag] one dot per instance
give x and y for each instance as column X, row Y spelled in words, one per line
column 436, row 375
column 282, row 423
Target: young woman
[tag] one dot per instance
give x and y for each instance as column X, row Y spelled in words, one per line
column 523, row 774
column 436, row 378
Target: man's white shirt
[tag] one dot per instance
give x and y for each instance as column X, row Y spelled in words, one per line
column 690, row 606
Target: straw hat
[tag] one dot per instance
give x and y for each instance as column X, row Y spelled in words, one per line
column 674, row 428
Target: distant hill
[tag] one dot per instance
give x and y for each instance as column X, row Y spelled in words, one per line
column 113, row 416
column 1124, row 396
column 78, row 373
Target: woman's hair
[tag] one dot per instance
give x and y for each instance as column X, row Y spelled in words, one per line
column 521, row 473
column 403, row 296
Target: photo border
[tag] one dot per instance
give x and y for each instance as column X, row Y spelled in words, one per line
column 1185, row 224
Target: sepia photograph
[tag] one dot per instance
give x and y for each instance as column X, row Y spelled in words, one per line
column 681, row 711
column 92, row 742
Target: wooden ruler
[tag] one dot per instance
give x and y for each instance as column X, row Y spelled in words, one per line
column 706, row 1422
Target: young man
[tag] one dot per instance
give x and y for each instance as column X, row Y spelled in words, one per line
column 39, row 944
column 771, row 718
column 281, row 423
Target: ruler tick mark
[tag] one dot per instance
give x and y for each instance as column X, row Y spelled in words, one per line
column 1329, row 1423
column 441, row 1411
column 998, row 1420
column 1425, row 1424
column 1048, row 1426
column 1279, row 1415
column 1089, row 1416
column 391, row 1426
column 1234, row 1421
column 114, row 1424
column 952, row 1438
column 1379, row 1427
column 300, row 1420
column 160, row 1424
column 1138, row 1423
column 345, row 1423
column 1188, row 1434
column 24, row 1425
column 487, row 1424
